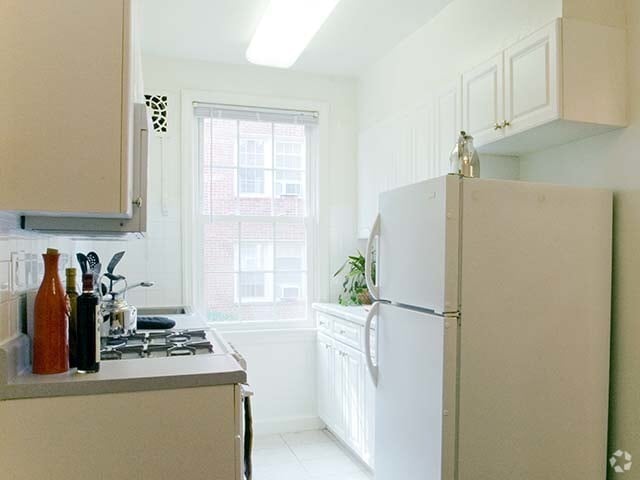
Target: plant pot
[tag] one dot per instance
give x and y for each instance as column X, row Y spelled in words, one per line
column 364, row 298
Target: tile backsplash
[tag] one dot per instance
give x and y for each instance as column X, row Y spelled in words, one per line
column 21, row 270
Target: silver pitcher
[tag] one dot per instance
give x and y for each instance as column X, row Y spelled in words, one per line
column 464, row 158
column 119, row 318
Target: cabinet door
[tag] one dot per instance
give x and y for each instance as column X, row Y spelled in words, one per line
column 448, row 111
column 338, row 398
column 369, row 401
column 66, row 145
column 483, row 101
column 325, row 379
column 532, row 80
column 353, row 395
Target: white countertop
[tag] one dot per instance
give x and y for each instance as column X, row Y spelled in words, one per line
column 355, row 313
column 115, row 376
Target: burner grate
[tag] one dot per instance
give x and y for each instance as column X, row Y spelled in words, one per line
column 166, row 343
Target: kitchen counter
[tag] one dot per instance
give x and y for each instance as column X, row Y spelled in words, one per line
column 116, row 376
column 356, row 313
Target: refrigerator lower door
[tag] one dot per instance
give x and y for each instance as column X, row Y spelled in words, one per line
column 415, row 396
column 418, row 245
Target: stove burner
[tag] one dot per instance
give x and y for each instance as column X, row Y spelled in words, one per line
column 181, row 350
column 179, row 338
column 167, row 343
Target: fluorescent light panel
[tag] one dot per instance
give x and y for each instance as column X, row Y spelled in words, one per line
column 286, row 29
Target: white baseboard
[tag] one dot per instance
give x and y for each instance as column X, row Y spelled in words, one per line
column 286, row 425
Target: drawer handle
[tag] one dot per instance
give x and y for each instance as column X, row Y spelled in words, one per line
column 322, row 323
column 342, row 332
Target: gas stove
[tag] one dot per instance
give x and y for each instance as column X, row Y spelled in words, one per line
column 150, row 344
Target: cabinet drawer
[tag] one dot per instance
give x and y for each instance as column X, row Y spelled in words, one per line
column 325, row 323
column 348, row 333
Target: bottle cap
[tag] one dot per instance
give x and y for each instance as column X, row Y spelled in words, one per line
column 87, row 281
column 71, row 272
column 52, row 251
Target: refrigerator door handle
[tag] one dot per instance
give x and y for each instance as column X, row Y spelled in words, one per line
column 368, row 258
column 373, row 369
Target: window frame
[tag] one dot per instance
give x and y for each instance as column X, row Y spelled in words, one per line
column 317, row 239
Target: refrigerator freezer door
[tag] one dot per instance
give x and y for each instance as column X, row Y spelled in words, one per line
column 418, row 245
column 415, row 406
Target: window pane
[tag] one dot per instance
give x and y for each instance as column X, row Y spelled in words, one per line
column 255, row 197
column 255, row 288
column 289, row 198
column 220, row 241
column 256, row 242
column 219, row 192
column 290, row 256
column 220, row 297
column 290, row 291
column 219, row 142
column 255, row 144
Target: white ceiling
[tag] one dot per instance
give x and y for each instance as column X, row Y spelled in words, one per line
column 357, row 33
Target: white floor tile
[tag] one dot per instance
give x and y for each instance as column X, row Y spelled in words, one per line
column 272, row 457
column 268, row 441
column 314, row 451
column 331, row 466
column 313, row 455
column 306, row 438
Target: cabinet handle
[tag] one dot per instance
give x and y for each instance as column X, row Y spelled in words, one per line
column 506, row 124
column 322, row 323
column 138, row 202
column 342, row 332
column 497, row 126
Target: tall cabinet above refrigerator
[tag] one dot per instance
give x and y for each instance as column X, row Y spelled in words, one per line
column 493, row 320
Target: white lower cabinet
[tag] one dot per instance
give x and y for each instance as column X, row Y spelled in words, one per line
column 190, row 433
column 346, row 396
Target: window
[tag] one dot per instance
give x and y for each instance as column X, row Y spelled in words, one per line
column 255, row 212
column 251, row 153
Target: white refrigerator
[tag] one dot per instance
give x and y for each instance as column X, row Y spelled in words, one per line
column 492, row 328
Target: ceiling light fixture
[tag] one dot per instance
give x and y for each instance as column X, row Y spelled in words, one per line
column 286, row 29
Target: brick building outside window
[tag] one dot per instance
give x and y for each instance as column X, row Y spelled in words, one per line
column 255, row 213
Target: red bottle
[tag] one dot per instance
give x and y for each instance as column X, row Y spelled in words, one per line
column 51, row 323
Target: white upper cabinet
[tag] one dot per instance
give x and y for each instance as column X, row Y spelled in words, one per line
column 531, row 66
column 67, row 144
column 564, row 82
column 482, row 99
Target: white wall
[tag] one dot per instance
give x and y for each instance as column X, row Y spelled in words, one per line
column 612, row 161
column 281, row 364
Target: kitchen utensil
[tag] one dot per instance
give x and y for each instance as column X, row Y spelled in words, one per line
column 136, row 285
column 83, row 261
column 113, row 279
column 93, row 259
column 114, row 261
column 95, row 270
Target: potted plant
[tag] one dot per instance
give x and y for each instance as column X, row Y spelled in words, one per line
column 355, row 291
